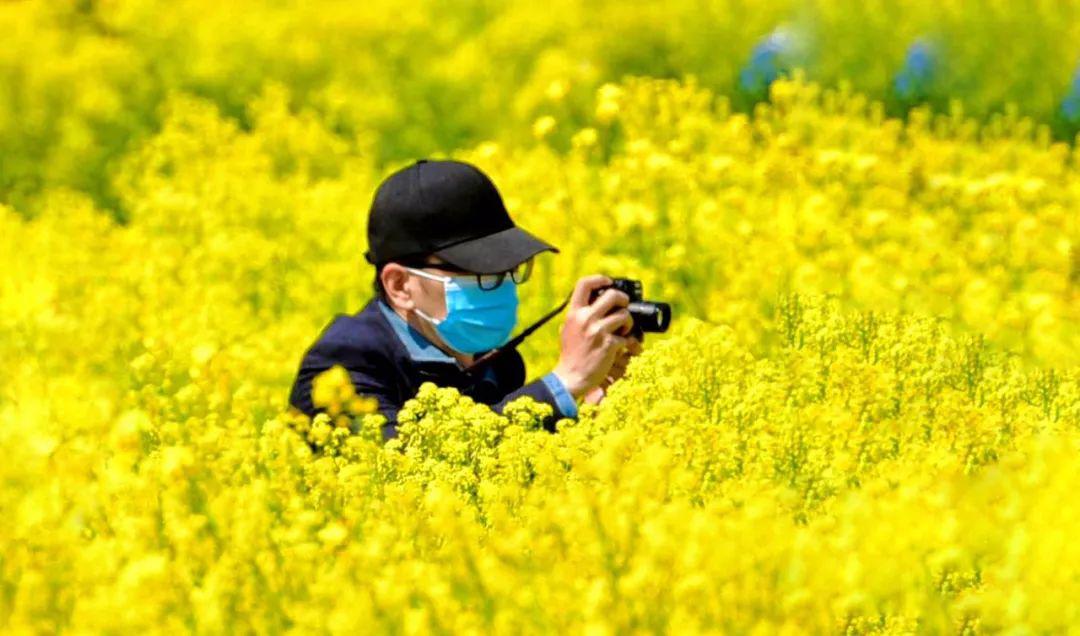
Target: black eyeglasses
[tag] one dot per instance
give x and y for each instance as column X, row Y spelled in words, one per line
column 486, row 282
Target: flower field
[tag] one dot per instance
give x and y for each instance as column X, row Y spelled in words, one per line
column 864, row 420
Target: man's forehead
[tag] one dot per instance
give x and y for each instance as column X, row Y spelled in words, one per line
column 431, row 259
column 436, row 262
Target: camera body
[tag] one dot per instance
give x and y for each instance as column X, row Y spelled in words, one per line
column 649, row 316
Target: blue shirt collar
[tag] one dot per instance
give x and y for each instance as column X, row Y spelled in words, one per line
column 420, row 349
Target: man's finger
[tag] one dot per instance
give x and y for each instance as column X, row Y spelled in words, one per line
column 584, row 288
column 608, row 301
column 594, row 395
column 615, row 342
column 633, row 345
column 620, row 319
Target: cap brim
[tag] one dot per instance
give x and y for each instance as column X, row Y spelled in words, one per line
column 494, row 253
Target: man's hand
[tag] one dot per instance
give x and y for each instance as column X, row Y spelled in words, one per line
column 618, row 369
column 593, row 336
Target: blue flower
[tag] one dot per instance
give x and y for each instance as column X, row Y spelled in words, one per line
column 1070, row 106
column 770, row 58
column 921, row 63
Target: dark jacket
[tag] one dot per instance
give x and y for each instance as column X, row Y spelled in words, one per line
column 388, row 359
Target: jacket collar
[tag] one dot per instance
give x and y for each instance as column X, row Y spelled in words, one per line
column 419, row 348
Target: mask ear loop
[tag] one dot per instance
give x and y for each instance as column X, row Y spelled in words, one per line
column 515, row 341
column 423, row 314
column 420, row 272
column 442, row 279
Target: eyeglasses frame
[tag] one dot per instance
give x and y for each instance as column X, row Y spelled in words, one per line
column 528, row 264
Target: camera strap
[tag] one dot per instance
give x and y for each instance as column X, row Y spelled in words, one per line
column 485, row 359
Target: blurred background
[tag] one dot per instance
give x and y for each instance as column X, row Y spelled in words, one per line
column 84, row 80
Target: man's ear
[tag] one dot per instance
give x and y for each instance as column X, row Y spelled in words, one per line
column 394, row 279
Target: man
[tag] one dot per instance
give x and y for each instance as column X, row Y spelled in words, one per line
column 449, row 261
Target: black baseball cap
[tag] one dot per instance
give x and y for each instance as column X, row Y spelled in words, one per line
column 452, row 210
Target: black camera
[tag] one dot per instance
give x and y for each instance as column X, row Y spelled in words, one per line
column 649, row 316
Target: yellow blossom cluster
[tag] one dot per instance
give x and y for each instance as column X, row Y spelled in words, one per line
column 81, row 79
column 865, row 419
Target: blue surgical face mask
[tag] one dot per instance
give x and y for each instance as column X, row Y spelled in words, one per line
column 476, row 319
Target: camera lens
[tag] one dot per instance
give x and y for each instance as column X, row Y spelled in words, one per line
column 650, row 316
